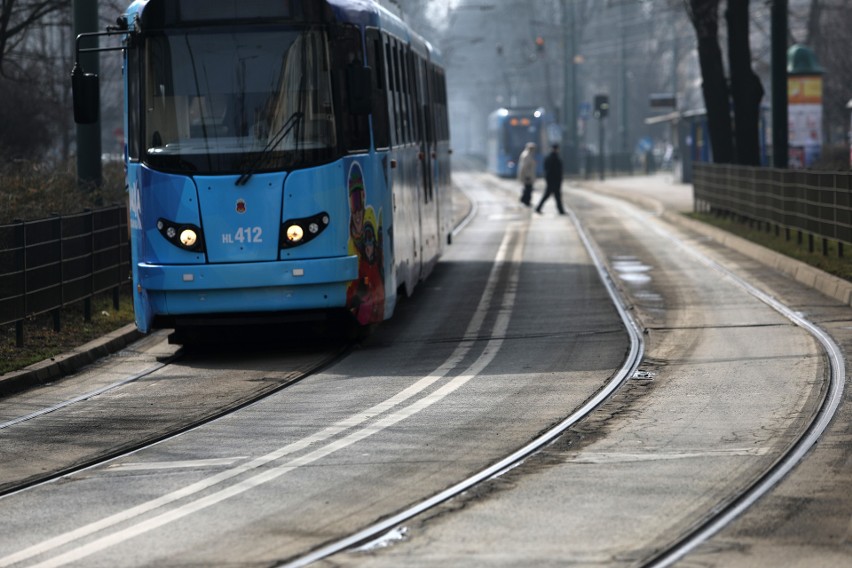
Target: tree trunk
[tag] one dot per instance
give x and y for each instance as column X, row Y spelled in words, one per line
column 746, row 88
column 705, row 19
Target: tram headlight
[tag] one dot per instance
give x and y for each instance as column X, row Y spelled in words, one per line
column 295, row 234
column 182, row 235
column 188, row 238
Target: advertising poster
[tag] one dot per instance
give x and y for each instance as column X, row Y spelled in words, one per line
column 804, row 96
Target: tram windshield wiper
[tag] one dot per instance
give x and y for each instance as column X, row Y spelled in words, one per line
column 279, row 137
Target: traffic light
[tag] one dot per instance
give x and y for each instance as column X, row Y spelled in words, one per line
column 601, row 106
column 539, row 44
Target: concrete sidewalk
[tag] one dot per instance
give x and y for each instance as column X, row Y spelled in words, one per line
column 662, row 196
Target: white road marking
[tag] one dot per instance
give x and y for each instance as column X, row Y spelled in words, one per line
column 651, row 455
column 188, row 464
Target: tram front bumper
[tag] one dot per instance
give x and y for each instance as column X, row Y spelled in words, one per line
column 256, row 286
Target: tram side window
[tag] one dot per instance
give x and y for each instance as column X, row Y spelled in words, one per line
column 397, row 111
column 403, row 88
column 375, row 59
column 134, row 103
column 406, row 108
column 443, row 126
column 393, row 106
column 346, row 51
column 412, row 96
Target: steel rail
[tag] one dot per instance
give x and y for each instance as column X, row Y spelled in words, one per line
column 88, row 395
column 122, row 451
column 797, row 450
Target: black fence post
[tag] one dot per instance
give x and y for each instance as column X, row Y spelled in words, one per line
column 87, row 303
column 116, row 291
column 57, row 312
column 19, row 326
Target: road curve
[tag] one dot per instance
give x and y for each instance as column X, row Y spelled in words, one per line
column 727, row 387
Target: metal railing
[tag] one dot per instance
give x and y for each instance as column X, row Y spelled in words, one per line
column 812, row 203
column 48, row 264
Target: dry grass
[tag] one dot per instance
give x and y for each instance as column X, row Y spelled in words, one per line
column 832, row 262
column 30, row 191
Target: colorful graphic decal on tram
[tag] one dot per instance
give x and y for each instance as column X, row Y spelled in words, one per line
column 365, row 296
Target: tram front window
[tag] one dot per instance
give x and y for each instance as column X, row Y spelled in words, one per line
column 225, row 102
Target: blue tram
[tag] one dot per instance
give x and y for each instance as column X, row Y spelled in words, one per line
column 285, row 158
column 509, row 130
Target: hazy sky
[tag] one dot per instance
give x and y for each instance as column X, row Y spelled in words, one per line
column 436, row 10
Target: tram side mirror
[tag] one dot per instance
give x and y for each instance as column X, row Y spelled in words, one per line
column 86, row 91
column 359, row 85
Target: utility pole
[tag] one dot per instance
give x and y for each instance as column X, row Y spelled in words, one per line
column 601, row 112
column 569, row 28
column 89, row 173
column 779, row 84
column 624, row 143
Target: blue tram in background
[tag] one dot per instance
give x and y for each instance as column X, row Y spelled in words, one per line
column 509, row 130
column 284, row 157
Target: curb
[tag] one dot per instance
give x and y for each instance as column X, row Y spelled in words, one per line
column 49, row 370
column 827, row 284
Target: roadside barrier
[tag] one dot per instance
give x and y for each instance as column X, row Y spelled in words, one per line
column 51, row 263
column 801, row 202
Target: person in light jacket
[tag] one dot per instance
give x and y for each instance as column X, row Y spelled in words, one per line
column 526, row 172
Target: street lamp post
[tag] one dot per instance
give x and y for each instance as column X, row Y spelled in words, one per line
column 569, row 25
column 779, row 84
column 89, row 173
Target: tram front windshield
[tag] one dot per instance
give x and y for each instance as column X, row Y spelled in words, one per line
column 517, row 138
column 231, row 101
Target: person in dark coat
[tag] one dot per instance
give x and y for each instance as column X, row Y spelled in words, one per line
column 553, row 176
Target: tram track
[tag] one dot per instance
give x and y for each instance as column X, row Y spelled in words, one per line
column 738, row 504
column 255, row 389
column 392, row 528
column 726, row 512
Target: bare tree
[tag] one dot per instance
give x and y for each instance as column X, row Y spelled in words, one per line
column 746, row 88
column 705, row 19
column 827, row 33
column 18, row 16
